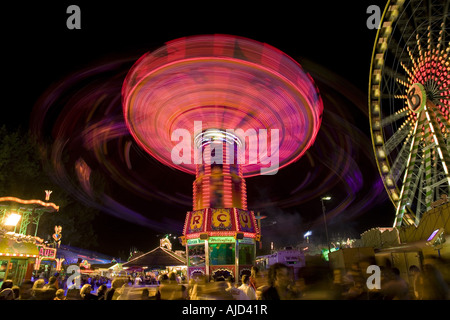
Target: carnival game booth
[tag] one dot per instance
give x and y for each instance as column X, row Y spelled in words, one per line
column 18, row 254
column 21, row 253
column 220, row 242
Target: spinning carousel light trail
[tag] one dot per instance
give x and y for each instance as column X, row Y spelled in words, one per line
column 224, row 82
column 81, row 120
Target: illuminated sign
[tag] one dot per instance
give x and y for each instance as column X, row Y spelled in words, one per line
column 221, row 219
column 196, row 221
column 246, row 241
column 195, row 241
column 85, row 264
column 221, row 239
column 416, row 97
column 47, row 253
column 245, row 221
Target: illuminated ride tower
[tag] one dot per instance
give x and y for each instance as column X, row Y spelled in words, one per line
column 224, row 108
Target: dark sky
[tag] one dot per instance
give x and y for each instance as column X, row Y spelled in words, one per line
column 329, row 38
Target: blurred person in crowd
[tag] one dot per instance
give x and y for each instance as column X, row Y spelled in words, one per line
column 338, row 287
column 414, row 275
column 352, row 276
column 431, row 284
column 171, row 290
column 86, row 294
column 60, row 295
column 145, row 295
column 58, row 280
column 192, row 289
column 73, row 293
column 236, row 293
column 16, row 291
column 279, row 282
column 114, row 292
column 247, row 288
column 394, row 287
column 101, row 292
column 262, row 283
column 124, row 291
column 220, row 289
column 48, row 292
column 356, row 291
column 253, row 275
column 38, row 288
column 6, row 291
column 172, row 278
column 138, row 280
column 52, row 283
column 39, row 284
column 26, row 290
column 195, row 287
column 314, row 282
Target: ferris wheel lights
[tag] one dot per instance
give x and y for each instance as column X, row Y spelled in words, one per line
column 387, row 28
column 393, row 12
column 389, row 182
column 394, row 196
column 383, row 46
column 376, row 76
column 376, row 93
column 376, row 109
column 379, row 60
column 379, row 139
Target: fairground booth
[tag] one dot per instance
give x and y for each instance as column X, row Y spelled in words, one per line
column 220, row 242
column 22, row 252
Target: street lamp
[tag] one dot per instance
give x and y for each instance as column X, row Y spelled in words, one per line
column 306, row 235
column 12, row 220
column 327, row 198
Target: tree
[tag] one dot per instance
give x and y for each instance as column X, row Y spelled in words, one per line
column 22, row 175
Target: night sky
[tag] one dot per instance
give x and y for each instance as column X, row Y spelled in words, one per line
column 329, row 39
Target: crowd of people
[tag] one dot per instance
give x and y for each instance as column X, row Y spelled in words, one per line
column 276, row 283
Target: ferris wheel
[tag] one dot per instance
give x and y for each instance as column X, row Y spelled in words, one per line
column 409, row 105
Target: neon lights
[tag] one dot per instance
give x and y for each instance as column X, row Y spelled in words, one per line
column 18, row 255
column 47, row 253
column 42, row 203
column 213, row 239
column 47, row 194
column 433, row 234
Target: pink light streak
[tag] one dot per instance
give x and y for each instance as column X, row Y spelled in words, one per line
column 225, row 82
